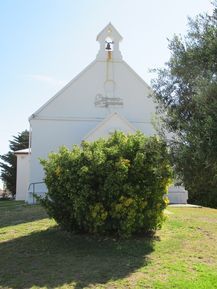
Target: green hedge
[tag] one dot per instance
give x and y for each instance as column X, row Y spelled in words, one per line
column 112, row 187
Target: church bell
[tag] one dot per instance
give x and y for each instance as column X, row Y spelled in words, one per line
column 108, row 46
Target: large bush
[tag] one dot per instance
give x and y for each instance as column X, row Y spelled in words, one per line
column 113, row 186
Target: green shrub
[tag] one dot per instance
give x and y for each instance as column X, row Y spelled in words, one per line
column 113, row 186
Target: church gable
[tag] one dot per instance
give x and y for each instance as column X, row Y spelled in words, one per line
column 107, row 85
column 114, row 122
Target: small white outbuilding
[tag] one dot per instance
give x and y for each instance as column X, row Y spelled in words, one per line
column 22, row 180
column 107, row 95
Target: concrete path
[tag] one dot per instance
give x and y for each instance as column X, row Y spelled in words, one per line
column 184, row 206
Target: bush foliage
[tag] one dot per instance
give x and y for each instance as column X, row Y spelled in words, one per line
column 186, row 91
column 113, row 187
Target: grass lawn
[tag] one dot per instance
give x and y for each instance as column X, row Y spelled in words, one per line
column 34, row 253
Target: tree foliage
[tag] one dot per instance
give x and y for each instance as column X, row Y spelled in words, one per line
column 9, row 164
column 186, row 91
column 113, row 186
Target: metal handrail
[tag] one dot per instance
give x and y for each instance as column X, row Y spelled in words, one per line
column 33, row 192
column 35, row 184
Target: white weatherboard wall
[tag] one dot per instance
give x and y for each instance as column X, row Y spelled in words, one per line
column 22, row 181
column 177, row 195
column 105, row 96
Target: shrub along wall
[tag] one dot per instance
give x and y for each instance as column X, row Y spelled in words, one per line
column 113, row 187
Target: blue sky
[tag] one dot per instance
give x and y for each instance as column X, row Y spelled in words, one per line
column 45, row 43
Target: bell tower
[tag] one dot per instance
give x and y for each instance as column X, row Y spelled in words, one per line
column 109, row 39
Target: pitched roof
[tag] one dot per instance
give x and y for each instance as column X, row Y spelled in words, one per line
column 23, row 152
column 62, row 90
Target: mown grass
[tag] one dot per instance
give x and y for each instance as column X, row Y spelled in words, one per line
column 35, row 253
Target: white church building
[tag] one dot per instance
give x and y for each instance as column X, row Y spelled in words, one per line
column 107, row 95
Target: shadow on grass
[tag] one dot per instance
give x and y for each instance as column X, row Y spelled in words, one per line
column 20, row 213
column 53, row 258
